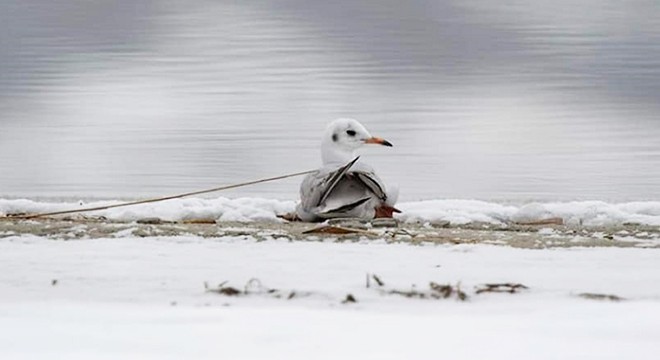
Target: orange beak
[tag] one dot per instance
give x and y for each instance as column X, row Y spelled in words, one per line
column 377, row 140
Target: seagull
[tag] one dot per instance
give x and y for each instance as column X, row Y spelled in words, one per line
column 345, row 186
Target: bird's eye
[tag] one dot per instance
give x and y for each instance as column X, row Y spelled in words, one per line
column 351, row 132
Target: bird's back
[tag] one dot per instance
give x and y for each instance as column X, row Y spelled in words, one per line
column 350, row 196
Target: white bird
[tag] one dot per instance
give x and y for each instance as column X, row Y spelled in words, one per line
column 344, row 186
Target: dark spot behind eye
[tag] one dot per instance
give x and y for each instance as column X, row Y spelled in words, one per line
column 334, row 137
column 351, row 132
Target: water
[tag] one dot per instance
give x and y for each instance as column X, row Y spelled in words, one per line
column 509, row 100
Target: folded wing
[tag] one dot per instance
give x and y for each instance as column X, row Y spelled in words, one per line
column 351, row 190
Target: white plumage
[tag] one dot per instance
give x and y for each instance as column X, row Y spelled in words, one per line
column 345, row 186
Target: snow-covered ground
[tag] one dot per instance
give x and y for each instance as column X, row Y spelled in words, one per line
column 587, row 213
column 144, row 298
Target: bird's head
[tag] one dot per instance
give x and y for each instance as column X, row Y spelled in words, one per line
column 343, row 136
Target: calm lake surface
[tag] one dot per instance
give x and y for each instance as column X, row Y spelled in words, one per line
column 508, row 100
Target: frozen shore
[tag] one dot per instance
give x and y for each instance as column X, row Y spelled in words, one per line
column 225, row 278
column 536, row 225
column 514, row 235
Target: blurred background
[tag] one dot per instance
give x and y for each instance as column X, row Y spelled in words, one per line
column 510, row 100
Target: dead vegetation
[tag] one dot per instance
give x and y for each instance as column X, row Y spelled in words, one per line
column 253, row 287
column 222, row 289
column 337, row 230
column 349, row 299
column 501, row 288
column 436, row 291
column 601, row 297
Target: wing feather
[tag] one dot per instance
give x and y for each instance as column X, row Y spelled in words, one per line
column 347, row 207
column 334, row 180
column 372, row 184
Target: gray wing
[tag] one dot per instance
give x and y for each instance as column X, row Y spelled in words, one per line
column 317, row 187
column 350, row 190
column 333, row 179
column 373, row 183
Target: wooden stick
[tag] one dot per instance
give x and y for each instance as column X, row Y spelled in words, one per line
column 32, row 216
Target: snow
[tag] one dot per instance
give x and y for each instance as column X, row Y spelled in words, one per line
column 456, row 211
column 144, row 298
column 586, row 213
column 241, row 209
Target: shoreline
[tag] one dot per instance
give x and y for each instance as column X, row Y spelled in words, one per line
column 541, row 236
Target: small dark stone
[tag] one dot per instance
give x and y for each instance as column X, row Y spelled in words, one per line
column 349, row 299
column 150, row 221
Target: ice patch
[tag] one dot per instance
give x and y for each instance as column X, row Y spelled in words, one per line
column 594, row 213
column 587, row 213
column 456, row 211
column 224, row 209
